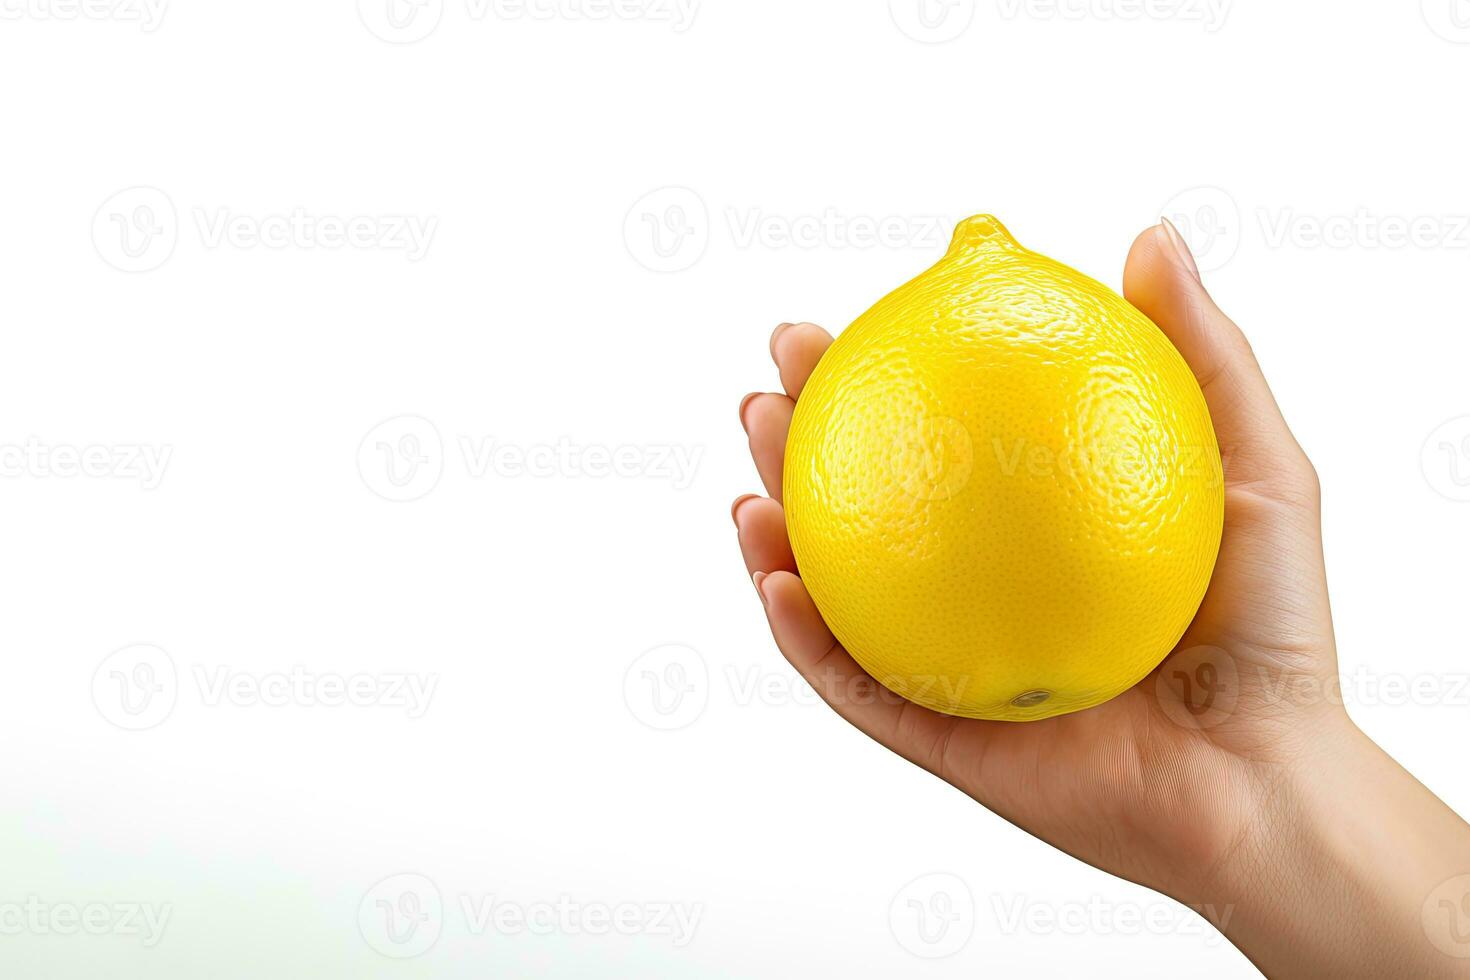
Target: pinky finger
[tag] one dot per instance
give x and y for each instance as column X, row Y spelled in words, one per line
column 911, row 730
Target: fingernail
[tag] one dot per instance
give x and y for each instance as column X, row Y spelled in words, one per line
column 758, row 578
column 744, row 402
column 777, row 333
column 1180, row 249
column 735, row 507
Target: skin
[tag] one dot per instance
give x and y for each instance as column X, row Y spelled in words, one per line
column 1232, row 778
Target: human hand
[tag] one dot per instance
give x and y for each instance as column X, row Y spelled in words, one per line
column 1217, row 777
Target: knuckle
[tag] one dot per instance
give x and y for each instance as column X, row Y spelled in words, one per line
column 1309, row 479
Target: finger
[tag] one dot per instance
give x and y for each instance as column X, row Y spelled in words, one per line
column 1162, row 280
column 914, row 732
column 762, row 530
column 766, row 418
column 796, row 348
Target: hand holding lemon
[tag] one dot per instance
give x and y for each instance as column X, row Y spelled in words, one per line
column 1043, row 593
column 1002, row 487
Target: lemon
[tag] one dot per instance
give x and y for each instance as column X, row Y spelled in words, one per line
column 1002, row 487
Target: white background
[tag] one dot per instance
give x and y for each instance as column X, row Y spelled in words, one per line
column 551, row 302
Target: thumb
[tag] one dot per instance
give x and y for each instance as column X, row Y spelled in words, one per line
column 1162, row 280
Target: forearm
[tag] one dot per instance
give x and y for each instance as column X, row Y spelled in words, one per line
column 1348, row 871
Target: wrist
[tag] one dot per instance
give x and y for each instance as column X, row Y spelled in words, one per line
column 1333, row 867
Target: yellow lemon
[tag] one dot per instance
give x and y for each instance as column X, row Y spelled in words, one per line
column 1002, row 487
